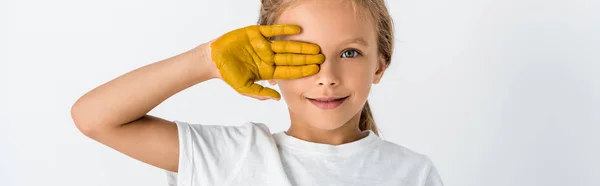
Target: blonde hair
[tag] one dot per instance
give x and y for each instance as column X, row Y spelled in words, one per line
column 382, row 22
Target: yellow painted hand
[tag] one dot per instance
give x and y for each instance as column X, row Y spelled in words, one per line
column 244, row 56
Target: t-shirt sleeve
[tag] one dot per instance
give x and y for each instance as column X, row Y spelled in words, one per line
column 208, row 154
column 433, row 177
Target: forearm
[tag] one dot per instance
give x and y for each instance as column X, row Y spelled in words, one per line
column 132, row 95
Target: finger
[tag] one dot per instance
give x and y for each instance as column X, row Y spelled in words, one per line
column 259, row 43
column 292, row 72
column 262, row 49
column 260, row 91
column 262, row 98
column 281, row 29
column 298, row 59
column 284, row 46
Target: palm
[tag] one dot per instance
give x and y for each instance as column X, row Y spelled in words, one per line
column 240, row 72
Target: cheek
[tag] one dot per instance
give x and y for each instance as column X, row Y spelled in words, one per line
column 359, row 72
column 292, row 92
column 360, row 85
column 292, row 89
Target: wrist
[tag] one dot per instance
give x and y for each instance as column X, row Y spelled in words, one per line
column 209, row 68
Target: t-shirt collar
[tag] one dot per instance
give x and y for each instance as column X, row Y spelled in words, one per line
column 284, row 140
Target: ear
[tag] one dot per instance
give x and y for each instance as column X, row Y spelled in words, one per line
column 272, row 82
column 381, row 67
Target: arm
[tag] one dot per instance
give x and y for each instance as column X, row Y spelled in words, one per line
column 115, row 113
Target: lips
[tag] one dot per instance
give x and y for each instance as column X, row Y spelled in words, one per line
column 326, row 99
column 327, row 102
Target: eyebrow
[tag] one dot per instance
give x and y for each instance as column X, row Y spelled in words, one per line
column 357, row 40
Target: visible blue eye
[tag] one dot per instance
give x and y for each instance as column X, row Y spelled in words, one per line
column 350, row 53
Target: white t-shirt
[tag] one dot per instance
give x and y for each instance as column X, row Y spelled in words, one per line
column 249, row 154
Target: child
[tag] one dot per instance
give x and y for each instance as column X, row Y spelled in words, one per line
column 324, row 55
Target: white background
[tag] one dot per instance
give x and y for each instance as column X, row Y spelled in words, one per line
column 497, row 93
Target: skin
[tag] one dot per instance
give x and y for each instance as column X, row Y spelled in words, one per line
column 352, row 64
column 116, row 112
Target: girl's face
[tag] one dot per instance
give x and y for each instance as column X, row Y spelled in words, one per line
column 352, row 63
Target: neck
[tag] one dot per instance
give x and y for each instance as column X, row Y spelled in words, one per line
column 347, row 133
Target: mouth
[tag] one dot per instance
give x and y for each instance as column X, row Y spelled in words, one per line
column 327, row 102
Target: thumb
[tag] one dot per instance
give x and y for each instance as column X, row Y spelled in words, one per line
column 259, row 90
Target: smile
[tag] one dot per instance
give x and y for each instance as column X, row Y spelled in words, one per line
column 327, row 103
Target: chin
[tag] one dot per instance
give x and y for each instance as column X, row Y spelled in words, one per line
column 326, row 120
column 325, row 124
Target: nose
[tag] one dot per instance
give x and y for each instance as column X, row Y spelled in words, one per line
column 328, row 74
